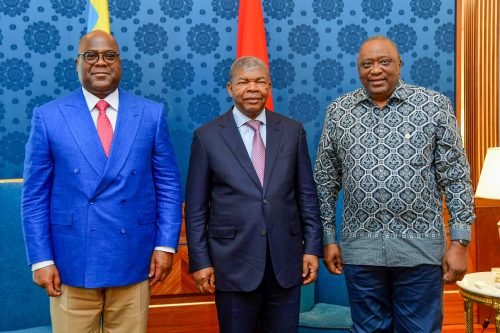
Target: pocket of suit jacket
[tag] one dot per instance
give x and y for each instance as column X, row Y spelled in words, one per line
column 221, row 231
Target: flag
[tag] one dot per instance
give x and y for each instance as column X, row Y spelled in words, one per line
column 252, row 36
column 98, row 16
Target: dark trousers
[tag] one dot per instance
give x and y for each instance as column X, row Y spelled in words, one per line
column 395, row 299
column 269, row 308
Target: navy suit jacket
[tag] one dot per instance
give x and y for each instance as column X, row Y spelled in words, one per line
column 98, row 218
column 230, row 217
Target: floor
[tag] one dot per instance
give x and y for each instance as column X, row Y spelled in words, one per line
column 461, row 328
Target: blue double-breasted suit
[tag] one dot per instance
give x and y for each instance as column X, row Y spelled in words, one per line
column 99, row 218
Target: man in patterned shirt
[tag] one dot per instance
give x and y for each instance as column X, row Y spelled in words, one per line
column 395, row 149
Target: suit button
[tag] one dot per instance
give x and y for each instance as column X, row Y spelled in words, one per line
column 122, row 230
column 92, row 201
column 132, row 172
column 265, row 202
column 76, row 170
column 124, row 202
column 263, row 232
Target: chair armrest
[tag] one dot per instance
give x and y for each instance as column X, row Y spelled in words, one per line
column 307, row 297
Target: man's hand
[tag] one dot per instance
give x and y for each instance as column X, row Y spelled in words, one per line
column 332, row 258
column 204, row 279
column 48, row 278
column 160, row 266
column 309, row 268
column 454, row 263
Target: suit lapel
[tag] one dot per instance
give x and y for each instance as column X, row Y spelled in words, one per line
column 273, row 139
column 77, row 115
column 127, row 124
column 231, row 135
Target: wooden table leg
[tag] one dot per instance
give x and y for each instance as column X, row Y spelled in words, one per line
column 469, row 316
column 497, row 321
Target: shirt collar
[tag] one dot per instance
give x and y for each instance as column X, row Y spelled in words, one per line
column 241, row 118
column 400, row 93
column 91, row 100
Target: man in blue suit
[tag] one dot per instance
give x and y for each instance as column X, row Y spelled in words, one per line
column 252, row 214
column 101, row 198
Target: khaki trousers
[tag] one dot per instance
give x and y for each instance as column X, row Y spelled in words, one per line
column 81, row 310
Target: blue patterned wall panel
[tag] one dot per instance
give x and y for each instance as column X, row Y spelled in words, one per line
column 178, row 52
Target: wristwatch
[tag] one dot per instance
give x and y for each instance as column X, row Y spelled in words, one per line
column 463, row 242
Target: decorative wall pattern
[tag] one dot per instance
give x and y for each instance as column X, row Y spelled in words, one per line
column 178, row 52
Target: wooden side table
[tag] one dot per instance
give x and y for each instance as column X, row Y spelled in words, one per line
column 479, row 288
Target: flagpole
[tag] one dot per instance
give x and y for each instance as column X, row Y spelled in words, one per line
column 252, row 35
column 98, row 16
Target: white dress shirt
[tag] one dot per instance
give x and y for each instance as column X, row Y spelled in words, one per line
column 112, row 113
column 247, row 132
column 112, row 110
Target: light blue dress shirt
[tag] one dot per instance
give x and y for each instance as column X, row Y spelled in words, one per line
column 246, row 132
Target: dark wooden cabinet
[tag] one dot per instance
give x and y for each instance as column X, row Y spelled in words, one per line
column 176, row 306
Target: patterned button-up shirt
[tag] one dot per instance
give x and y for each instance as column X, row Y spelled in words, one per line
column 394, row 165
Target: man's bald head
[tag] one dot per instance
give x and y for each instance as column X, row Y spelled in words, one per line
column 95, row 35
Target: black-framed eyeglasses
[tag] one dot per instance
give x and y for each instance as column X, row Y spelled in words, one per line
column 91, row 57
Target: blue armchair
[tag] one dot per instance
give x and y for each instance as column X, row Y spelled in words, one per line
column 324, row 306
column 25, row 307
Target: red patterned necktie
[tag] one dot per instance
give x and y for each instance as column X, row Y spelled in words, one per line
column 258, row 150
column 104, row 128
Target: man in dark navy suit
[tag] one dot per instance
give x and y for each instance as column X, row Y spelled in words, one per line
column 252, row 215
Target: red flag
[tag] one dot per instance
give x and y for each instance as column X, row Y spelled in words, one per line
column 252, row 36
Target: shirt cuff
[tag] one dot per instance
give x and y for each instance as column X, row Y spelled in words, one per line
column 165, row 249
column 456, row 234
column 329, row 239
column 41, row 264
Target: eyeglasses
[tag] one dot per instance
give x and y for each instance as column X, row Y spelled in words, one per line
column 92, row 57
